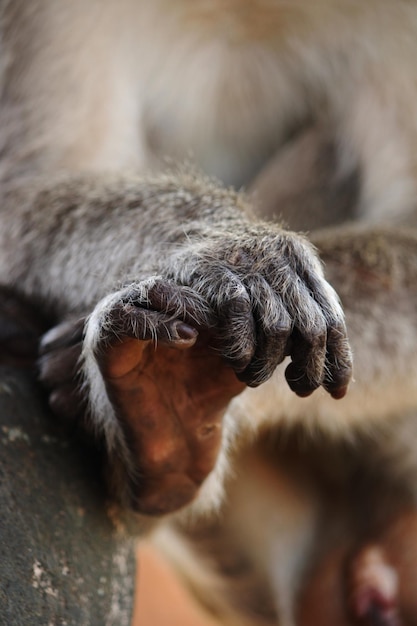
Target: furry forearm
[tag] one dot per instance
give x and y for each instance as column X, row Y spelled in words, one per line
column 123, row 227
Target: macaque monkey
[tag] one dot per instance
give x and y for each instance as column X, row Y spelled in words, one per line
column 169, row 296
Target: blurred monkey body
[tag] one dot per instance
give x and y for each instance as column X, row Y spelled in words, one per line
column 226, row 82
column 310, row 107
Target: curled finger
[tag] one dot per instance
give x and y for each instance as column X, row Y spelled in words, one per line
column 273, row 328
column 306, row 371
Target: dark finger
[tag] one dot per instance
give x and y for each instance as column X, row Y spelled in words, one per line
column 338, row 363
column 339, row 356
column 236, row 334
column 308, row 342
column 305, row 373
column 273, row 328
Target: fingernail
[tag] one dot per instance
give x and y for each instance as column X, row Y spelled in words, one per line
column 339, row 393
column 185, row 332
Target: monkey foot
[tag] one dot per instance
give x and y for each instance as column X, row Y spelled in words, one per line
column 168, row 387
column 169, row 395
column 374, row 588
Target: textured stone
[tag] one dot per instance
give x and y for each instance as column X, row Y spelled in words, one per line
column 63, row 561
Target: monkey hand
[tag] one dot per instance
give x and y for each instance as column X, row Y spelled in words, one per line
column 163, row 357
column 270, row 300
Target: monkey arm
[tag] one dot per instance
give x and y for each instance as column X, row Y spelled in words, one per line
column 188, row 300
column 74, row 242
